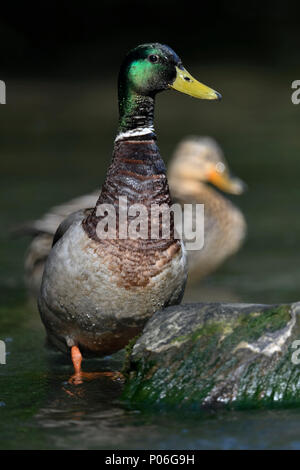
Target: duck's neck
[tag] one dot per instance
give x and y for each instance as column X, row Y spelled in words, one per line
column 137, row 165
column 137, row 171
column 136, row 113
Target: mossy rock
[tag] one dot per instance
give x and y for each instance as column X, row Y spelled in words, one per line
column 195, row 355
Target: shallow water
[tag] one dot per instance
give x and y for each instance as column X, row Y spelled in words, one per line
column 55, row 143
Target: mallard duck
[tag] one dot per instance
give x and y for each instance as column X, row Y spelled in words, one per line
column 196, row 162
column 97, row 292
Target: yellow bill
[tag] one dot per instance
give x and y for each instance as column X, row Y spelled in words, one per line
column 185, row 83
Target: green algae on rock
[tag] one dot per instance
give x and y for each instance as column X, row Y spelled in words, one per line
column 196, row 355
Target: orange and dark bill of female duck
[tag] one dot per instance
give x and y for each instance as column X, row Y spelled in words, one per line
column 226, row 182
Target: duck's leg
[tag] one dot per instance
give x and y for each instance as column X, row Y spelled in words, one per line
column 77, row 360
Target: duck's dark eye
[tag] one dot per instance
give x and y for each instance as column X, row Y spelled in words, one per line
column 153, row 58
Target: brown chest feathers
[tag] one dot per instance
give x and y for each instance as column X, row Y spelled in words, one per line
column 136, row 175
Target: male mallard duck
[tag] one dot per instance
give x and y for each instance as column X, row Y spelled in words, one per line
column 97, row 293
column 197, row 161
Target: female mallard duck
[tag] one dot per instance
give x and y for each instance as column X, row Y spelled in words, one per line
column 197, row 161
column 98, row 292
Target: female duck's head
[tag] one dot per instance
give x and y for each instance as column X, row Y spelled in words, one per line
column 198, row 160
column 149, row 69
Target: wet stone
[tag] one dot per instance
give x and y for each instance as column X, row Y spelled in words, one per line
column 207, row 354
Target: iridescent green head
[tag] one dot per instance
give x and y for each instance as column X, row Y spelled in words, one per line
column 147, row 70
column 151, row 68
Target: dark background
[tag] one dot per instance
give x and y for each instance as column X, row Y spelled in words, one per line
column 84, row 38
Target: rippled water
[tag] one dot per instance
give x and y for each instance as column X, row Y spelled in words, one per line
column 55, row 143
